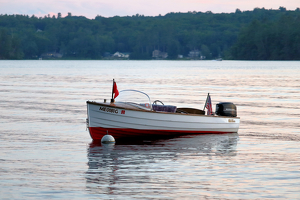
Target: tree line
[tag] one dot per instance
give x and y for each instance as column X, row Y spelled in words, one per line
column 269, row 40
column 259, row 34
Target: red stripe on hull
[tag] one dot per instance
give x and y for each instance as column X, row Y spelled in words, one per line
column 97, row 133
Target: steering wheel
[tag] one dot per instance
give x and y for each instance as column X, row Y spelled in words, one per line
column 155, row 102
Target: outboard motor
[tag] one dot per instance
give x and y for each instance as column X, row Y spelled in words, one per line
column 226, row 109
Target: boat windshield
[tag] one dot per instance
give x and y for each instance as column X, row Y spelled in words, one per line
column 135, row 98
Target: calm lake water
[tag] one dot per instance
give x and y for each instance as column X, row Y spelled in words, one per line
column 46, row 152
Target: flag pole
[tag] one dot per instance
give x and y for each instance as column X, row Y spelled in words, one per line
column 206, row 101
column 112, row 92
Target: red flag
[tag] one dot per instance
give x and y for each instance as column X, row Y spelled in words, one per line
column 208, row 105
column 115, row 90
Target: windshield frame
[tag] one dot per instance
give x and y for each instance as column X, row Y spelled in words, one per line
column 136, row 104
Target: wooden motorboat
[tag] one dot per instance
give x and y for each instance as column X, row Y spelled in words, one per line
column 132, row 114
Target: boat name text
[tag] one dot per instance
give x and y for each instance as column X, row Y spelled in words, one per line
column 231, row 120
column 110, row 110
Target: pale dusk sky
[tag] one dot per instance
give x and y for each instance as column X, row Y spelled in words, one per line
column 110, row 8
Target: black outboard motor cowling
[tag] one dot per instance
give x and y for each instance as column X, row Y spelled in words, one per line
column 226, row 109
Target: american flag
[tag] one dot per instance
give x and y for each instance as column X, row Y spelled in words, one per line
column 208, row 105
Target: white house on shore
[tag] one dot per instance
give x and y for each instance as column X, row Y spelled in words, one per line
column 157, row 54
column 120, row 55
column 196, row 54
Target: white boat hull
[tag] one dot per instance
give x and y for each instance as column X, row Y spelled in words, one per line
column 123, row 123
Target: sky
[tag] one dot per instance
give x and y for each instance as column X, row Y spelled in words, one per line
column 110, row 8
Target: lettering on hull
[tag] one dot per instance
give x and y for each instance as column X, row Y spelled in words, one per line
column 109, row 110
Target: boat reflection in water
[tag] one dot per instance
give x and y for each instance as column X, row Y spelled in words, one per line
column 151, row 169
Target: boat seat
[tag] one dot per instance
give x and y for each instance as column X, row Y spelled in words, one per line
column 164, row 108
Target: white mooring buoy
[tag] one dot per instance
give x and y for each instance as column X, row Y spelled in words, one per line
column 107, row 139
